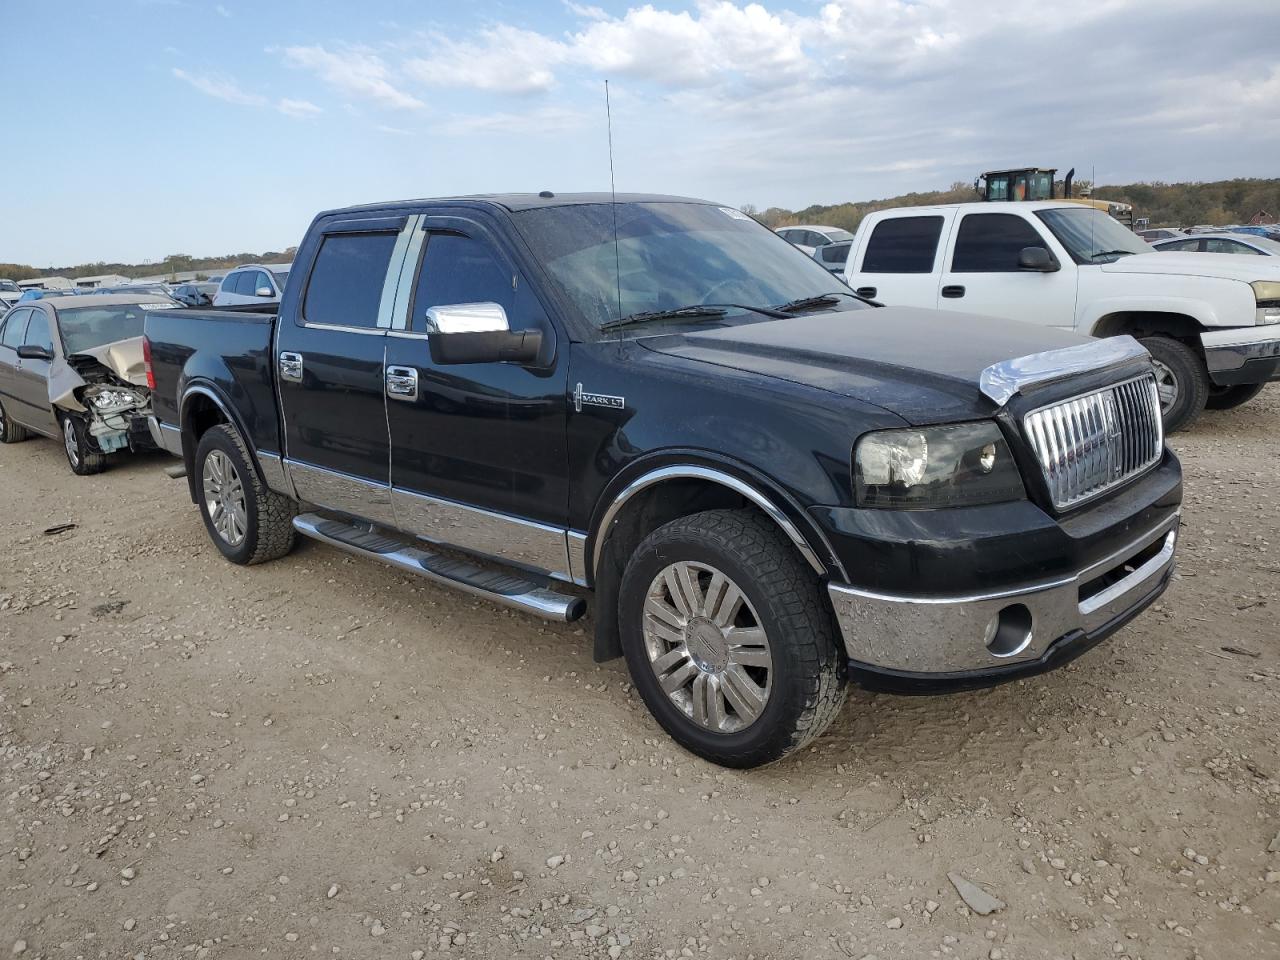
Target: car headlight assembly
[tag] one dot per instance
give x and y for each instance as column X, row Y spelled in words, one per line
column 1267, row 293
column 957, row 465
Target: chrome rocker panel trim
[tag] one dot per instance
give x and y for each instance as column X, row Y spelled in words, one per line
column 726, row 480
column 1002, row 381
column 944, row 635
column 167, row 438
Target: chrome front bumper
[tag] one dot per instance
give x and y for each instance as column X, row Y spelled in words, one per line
column 953, row 635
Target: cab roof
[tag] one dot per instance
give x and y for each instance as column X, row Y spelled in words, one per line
column 517, row 202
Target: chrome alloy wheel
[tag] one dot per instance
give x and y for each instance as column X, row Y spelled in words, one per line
column 70, row 441
column 224, row 498
column 1166, row 385
column 707, row 647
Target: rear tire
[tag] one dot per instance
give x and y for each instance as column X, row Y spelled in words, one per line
column 75, row 444
column 1182, row 379
column 1228, row 398
column 247, row 521
column 729, row 639
column 11, row 432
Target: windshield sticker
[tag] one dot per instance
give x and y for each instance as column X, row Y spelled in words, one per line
column 736, row 214
column 155, row 306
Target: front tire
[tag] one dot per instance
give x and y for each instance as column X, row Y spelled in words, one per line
column 247, row 521
column 75, row 443
column 11, row 432
column 1228, row 398
column 1182, row 380
column 729, row 640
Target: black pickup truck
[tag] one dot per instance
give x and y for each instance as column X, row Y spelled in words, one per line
column 772, row 487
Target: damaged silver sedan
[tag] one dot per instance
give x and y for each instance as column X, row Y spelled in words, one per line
column 72, row 369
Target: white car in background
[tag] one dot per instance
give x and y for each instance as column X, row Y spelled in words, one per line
column 252, row 283
column 809, row 238
column 1244, row 243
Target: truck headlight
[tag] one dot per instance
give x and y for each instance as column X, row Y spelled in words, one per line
column 1267, row 293
column 957, row 465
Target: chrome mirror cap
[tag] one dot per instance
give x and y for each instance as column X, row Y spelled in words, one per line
column 484, row 317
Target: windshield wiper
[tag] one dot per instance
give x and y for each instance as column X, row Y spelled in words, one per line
column 821, row 300
column 680, row 313
column 1111, row 253
column 692, row 312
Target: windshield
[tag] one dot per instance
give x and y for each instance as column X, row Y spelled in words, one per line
column 668, row 256
column 1091, row 236
column 281, row 276
column 836, row 236
column 84, row 328
column 8, row 285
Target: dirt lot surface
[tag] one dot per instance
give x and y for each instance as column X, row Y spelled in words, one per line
column 321, row 756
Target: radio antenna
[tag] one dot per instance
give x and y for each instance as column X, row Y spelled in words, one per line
column 613, row 196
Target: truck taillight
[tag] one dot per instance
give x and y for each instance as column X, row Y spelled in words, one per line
column 146, row 363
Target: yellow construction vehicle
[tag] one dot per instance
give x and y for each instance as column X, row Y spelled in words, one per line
column 1037, row 183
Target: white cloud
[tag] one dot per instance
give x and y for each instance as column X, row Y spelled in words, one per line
column 353, row 71
column 220, row 88
column 394, row 131
column 543, row 121
column 222, row 11
column 298, row 108
column 502, row 59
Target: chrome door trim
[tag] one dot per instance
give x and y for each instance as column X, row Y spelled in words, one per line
column 400, row 319
column 395, row 268
column 524, row 543
column 691, row 471
column 576, row 547
column 342, row 492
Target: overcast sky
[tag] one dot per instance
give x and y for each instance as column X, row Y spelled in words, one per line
column 139, row 128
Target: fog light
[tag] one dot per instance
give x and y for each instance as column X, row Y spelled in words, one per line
column 1008, row 633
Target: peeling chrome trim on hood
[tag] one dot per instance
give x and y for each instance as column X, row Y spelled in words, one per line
column 1002, row 381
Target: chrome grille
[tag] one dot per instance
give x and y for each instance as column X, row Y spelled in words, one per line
column 1089, row 444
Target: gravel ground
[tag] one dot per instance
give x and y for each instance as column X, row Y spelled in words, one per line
column 324, row 757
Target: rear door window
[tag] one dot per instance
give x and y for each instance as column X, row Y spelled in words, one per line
column 245, row 283
column 345, row 287
column 15, row 329
column 1218, row 245
column 991, row 243
column 229, row 283
column 903, row 245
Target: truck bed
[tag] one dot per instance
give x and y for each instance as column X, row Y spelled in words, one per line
column 225, row 351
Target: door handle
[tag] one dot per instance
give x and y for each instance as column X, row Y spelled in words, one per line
column 953, row 291
column 402, row 383
column 868, row 292
column 291, row 367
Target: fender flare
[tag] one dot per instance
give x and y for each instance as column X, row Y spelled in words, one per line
column 1198, row 310
column 208, row 390
column 749, row 489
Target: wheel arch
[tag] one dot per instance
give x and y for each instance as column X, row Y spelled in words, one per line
column 1179, row 325
column 201, row 408
column 656, row 492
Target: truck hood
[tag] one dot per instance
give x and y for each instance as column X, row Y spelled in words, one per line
column 923, row 365
column 1226, row 266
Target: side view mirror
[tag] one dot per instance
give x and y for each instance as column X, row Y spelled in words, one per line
column 1038, row 259
column 32, row 352
column 479, row 333
column 265, row 292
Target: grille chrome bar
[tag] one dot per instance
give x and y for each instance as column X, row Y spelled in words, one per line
column 1093, row 443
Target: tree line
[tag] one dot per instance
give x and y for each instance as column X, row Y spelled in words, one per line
column 173, row 264
column 1220, row 203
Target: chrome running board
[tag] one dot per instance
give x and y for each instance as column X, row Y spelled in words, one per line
column 508, row 589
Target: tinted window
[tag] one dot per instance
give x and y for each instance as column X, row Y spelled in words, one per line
column 229, row 283
column 903, row 245
column 15, row 329
column 38, row 331
column 1214, row 245
column 458, row 269
column 991, row 242
column 345, row 288
column 835, row 252
column 242, row 283
column 1180, row 245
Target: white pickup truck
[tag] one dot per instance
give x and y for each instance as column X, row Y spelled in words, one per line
column 1210, row 321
